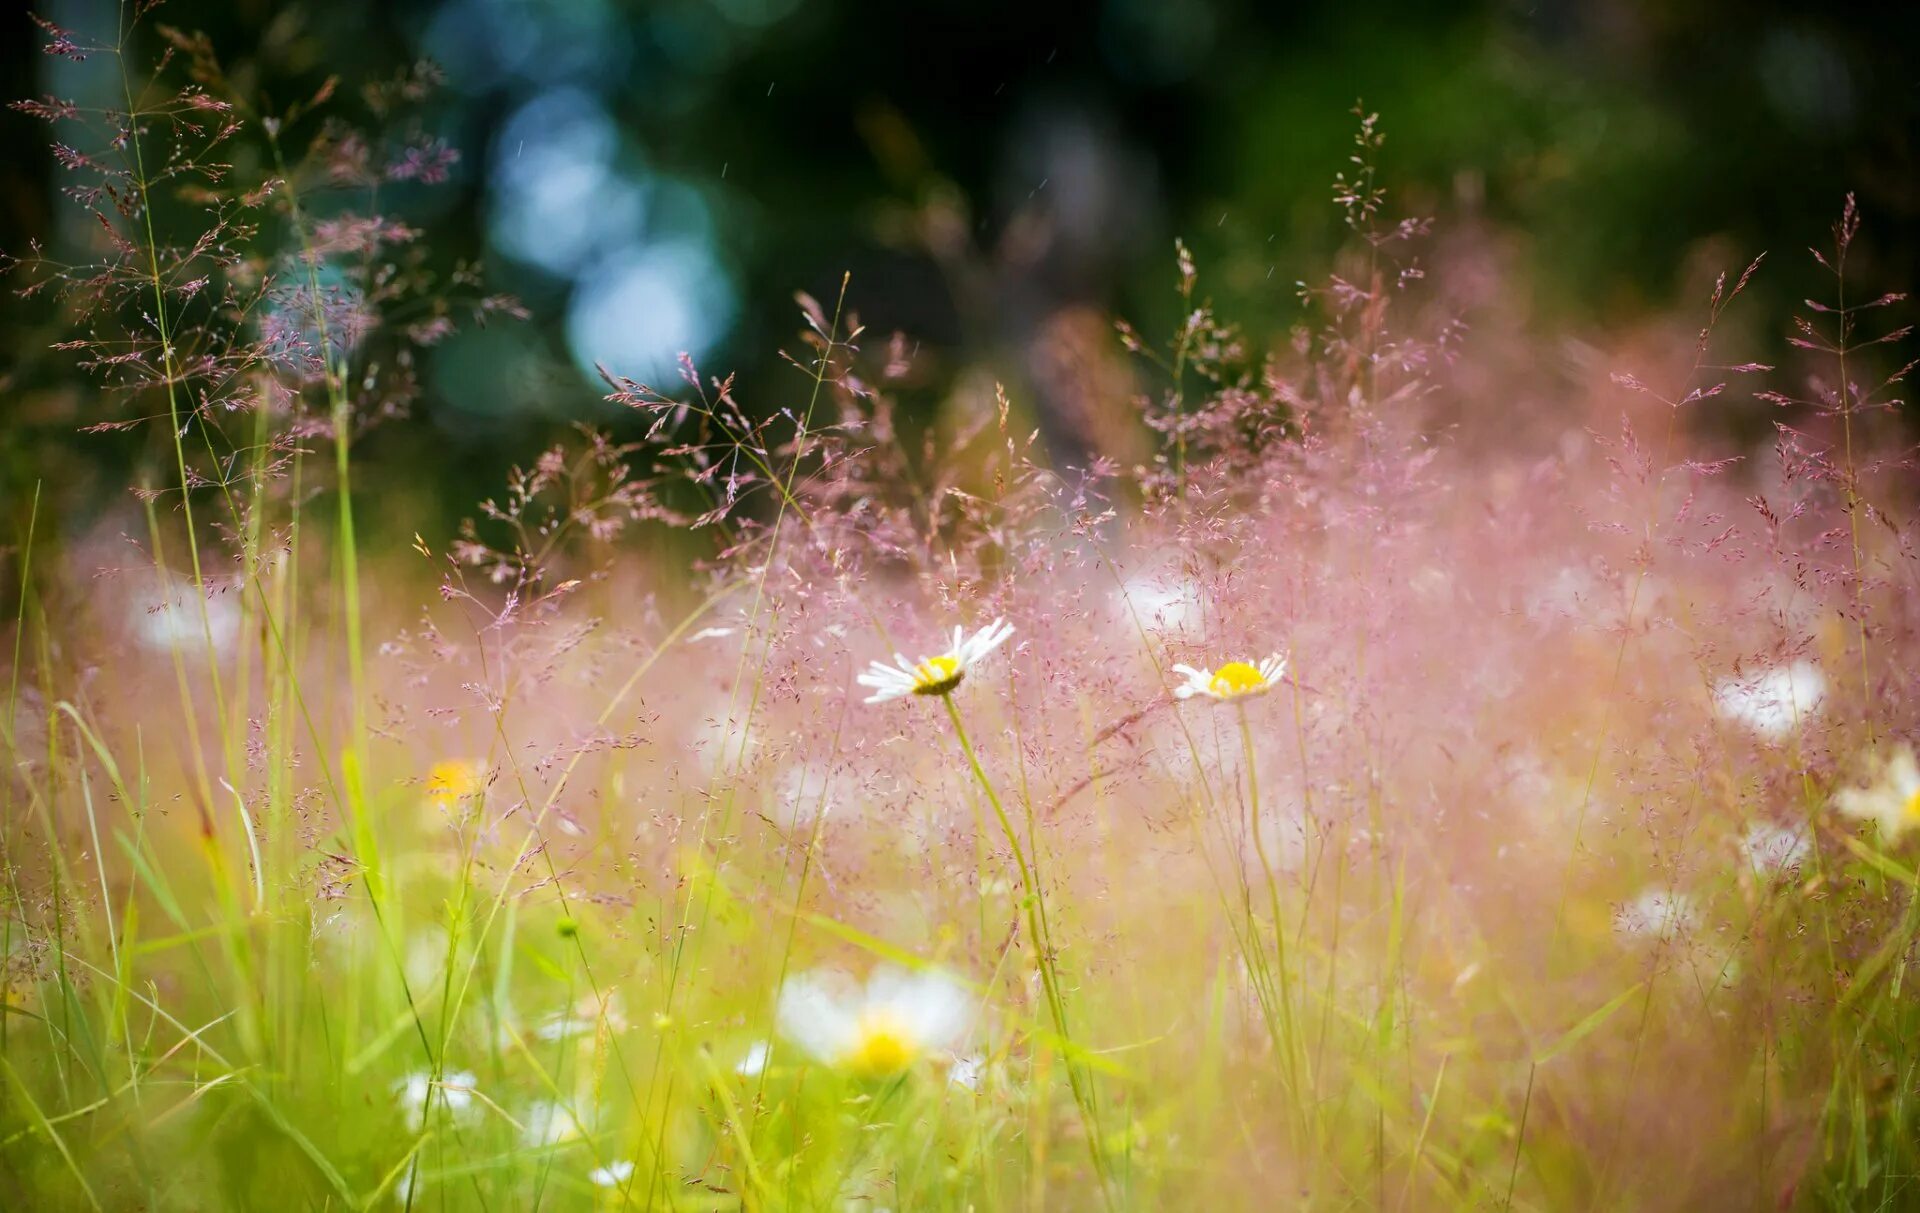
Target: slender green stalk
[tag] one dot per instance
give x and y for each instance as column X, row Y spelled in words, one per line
column 1044, row 959
column 8, row 855
column 1270, row 874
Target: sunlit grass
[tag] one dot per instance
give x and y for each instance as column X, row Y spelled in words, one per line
column 1348, row 819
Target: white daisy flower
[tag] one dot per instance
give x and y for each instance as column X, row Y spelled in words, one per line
column 933, row 675
column 1234, row 680
column 1773, row 850
column 456, row 1091
column 755, row 1061
column 1656, row 914
column 876, row 1031
column 1892, row 801
column 612, row 1175
column 1773, row 702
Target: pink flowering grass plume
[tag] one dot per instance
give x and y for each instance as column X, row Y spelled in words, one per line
column 1531, row 901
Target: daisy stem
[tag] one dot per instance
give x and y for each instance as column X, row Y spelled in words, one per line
column 1267, row 870
column 1042, row 944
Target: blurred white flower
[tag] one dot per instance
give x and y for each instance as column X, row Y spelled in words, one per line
column 724, row 738
column 806, row 789
column 1774, row 850
column 755, row 1061
column 933, row 675
column 877, row 1030
column 455, row 1091
column 1658, row 914
column 1171, row 606
column 584, row 1018
column 1234, row 680
column 1283, row 830
column 967, row 1071
column 1773, row 702
column 612, row 1175
column 426, row 955
column 1891, row 801
column 171, row 618
column 549, row 1122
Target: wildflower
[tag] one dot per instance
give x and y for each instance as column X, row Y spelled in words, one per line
column 877, row 1031
column 724, row 738
column 1656, row 913
column 612, row 1175
column 584, row 1018
column 934, row 675
column 453, row 780
column 805, row 790
column 177, row 617
column 1234, row 680
column 966, row 1071
column 755, row 1061
column 1892, row 801
column 549, row 1123
column 416, row 1090
column 1773, row 850
column 1171, row 607
column 1772, row 703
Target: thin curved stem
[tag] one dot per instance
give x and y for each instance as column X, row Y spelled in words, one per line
column 1031, row 902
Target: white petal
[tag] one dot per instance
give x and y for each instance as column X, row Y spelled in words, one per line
column 612, row 1175
column 966, row 1071
column 755, row 1061
column 817, row 1011
column 1904, row 774
column 932, row 1005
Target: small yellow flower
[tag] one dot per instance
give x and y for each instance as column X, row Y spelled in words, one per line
column 1892, row 801
column 453, row 780
column 1234, row 680
column 933, row 675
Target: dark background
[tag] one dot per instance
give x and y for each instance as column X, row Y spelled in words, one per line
column 662, row 175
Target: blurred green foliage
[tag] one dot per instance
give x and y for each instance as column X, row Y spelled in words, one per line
column 980, row 169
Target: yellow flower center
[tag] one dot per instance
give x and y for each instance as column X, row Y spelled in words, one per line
column 452, row 780
column 1236, row 678
column 1911, row 811
column 883, row 1047
column 936, row 675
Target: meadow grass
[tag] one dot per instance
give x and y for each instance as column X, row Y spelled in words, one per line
column 1353, row 818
